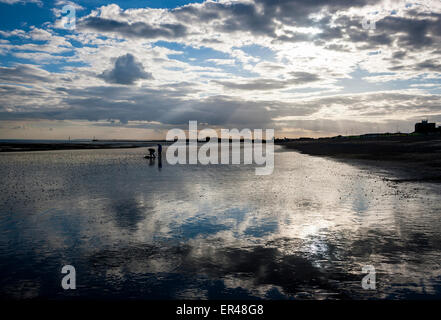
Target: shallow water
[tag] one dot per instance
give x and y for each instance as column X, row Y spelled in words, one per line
column 134, row 230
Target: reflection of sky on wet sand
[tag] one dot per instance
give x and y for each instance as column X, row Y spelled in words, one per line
column 134, row 231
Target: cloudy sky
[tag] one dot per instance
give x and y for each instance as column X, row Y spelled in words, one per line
column 134, row 69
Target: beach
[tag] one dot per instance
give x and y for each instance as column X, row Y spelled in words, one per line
column 135, row 229
column 416, row 158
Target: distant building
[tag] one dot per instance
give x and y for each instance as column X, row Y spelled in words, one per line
column 426, row 127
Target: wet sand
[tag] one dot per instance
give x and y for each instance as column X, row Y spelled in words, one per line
column 412, row 158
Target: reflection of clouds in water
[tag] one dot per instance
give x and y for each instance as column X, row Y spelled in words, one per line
column 260, row 269
column 256, row 270
column 221, row 231
column 127, row 213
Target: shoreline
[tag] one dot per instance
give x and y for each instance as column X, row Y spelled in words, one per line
column 410, row 159
column 28, row 147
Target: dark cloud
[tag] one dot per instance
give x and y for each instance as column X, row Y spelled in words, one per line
column 412, row 32
column 256, row 84
column 23, row 74
column 136, row 29
column 338, row 47
column 127, row 70
column 418, row 31
column 303, row 77
column 398, row 55
column 173, row 106
column 298, row 78
column 429, row 65
column 168, row 106
column 260, row 18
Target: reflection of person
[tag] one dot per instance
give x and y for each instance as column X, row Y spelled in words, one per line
column 159, row 150
column 159, row 161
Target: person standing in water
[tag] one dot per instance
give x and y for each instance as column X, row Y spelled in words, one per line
column 159, row 157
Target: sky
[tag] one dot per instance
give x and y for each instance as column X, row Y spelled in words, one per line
column 135, row 69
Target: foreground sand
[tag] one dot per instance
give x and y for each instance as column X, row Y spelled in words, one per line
column 415, row 158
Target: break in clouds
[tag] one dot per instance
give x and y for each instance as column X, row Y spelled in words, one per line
column 301, row 67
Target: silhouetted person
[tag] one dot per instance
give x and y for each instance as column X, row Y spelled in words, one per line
column 152, row 153
column 159, row 150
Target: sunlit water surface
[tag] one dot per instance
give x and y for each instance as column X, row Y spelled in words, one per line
column 134, row 230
